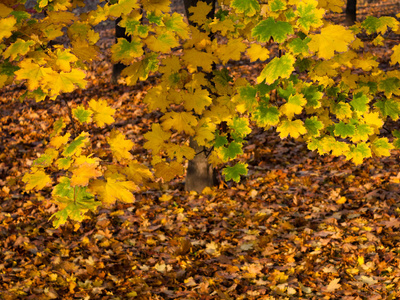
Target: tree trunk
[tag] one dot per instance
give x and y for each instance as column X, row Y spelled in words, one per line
column 118, row 67
column 199, row 174
column 351, row 12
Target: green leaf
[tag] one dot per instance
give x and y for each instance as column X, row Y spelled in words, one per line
column 277, row 5
column 278, row 67
column 76, row 201
column 389, row 108
column 309, row 15
column 17, row 49
column 313, row 126
column 299, row 46
column 359, row 102
column 379, row 25
column 268, row 28
column 382, row 147
column 342, row 110
column 240, row 126
column 125, row 52
column 83, row 115
column 358, row 153
column 266, row 116
column 362, row 133
column 390, row 86
column 235, row 172
column 76, row 145
column 247, row 7
column 344, row 130
column 312, row 95
column 248, row 96
column 220, row 141
column 234, row 149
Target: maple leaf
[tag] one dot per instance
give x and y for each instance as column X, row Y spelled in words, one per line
column 278, row 67
column 194, row 58
column 102, row 112
column 125, row 52
column 198, row 13
column 381, row 147
column 36, row 180
column 247, row 7
column 120, row 147
column 344, row 130
column 168, row 171
column 33, row 72
column 65, row 82
column 7, row 27
column 122, row 7
column 198, row 100
column 332, row 5
column 266, row 115
column 234, row 149
column 256, row 51
column 58, row 141
column 332, row 286
column 156, row 5
column 267, row 29
column 112, row 190
column 156, row 138
column 162, row 43
column 332, row 38
column 309, row 14
column 82, row 115
column 46, row 158
column 358, row 153
column 64, row 59
column 75, row 147
column 294, row 128
column 240, row 126
column 235, row 172
column 232, row 50
column 379, row 25
column 313, row 126
column 395, row 57
column 180, row 151
column 204, row 131
column 18, row 48
column 360, row 102
column 294, row 106
column 83, row 173
column 137, row 172
column 389, row 107
column 180, row 121
column 175, row 23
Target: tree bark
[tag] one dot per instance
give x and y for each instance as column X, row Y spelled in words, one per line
column 120, row 32
column 199, row 174
column 351, row 12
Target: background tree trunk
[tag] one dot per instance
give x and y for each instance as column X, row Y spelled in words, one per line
column 351, row 12
column 120, row 32
column 200, row 173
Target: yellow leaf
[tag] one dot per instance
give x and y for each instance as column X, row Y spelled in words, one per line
column 294, row 128
column 180, row 121
column 156, row 5
column 65, row 82
column 194, row 58
column 59, row 141
column 256, row 52
column 36, row 180
column 198, row 13
column 395, row 58
column 156, row 138
column 162, row 43
column 102, row 112
column 4, row 10
column 332, row 38
column 180, row 151
column 82, row 174
column 112, row 190
column 64, row 59
column 122, row 7
column 197, row 101
column 341, row 200
column 6, row 27
column 168, row 171
column 137, row 172
column 32, row 72
column 232, row 50
column 120, row 147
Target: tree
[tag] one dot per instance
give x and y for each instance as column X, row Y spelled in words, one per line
column 310, row 88
column 351, row 12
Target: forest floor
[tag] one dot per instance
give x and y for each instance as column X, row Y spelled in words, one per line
column 299, row 226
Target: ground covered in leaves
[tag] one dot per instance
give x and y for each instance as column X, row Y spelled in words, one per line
column 299, row 226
